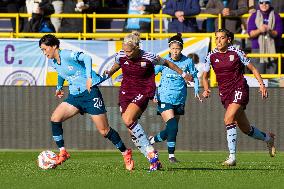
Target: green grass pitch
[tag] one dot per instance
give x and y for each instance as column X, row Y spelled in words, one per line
column 105, row 169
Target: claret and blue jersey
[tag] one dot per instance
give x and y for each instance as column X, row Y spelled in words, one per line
column 173, row 88
column 229, row 69
column 75, row 67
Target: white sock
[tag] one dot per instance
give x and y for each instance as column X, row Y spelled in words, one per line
column 152, row 140
column 62, row 148
column 232, row 156
column 171, row 155
column 232, row 138
column 139, row 138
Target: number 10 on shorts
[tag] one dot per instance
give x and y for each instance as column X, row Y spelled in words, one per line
column 238, row 96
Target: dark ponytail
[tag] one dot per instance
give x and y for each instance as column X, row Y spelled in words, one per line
column 176, row 39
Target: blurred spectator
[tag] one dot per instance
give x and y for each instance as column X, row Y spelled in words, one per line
column 16, row 6
column 32, row 6
column 40, row 22
column 252, row 4
column 278, row 6
column 143, row 25
column 228, row 8
column 75, row 25
column 58, row 9
column 180, row 9
column 117, row 3
column 208, row 24
column 165, row 20
column 265, row 30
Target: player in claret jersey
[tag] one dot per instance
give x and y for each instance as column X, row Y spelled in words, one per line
column 228, row 63
column 137, row 88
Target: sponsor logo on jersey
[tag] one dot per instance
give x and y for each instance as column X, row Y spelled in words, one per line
column 126, row 63
column 232, row 57
column 143, row 64
column 70, row 68
column 217, row 60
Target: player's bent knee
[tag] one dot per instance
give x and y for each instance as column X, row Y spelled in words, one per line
column 104, row 131
column 228, row 120
column 128, row 121
column 55, row 118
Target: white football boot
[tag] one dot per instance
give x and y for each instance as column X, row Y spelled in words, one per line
column 230, row 162
column 270, row 145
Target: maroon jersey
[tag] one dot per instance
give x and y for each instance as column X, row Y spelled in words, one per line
column 138, row 74
column 229, row 70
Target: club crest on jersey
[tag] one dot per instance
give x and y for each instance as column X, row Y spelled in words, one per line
column 143, row 64
column 217, row 60
column 126, row 63
column 70, row 67
column 232, row 57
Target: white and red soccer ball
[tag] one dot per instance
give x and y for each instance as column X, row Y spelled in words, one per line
column 47, row 159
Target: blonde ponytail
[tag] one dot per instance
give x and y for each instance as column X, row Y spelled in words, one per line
column 132, row 39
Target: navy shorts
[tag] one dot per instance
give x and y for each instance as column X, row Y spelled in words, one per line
column 178, row 109
column 91, row 103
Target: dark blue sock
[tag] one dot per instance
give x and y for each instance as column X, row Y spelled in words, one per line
column 172, row 130
column 57, row 133
column 114, row 137
column 163, row 135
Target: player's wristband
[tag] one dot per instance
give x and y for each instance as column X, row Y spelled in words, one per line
column 58, row 88
column 183, row 74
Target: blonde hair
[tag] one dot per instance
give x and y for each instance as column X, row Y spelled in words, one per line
column 132, row 39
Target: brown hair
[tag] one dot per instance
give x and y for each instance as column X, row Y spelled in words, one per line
column 194, row 57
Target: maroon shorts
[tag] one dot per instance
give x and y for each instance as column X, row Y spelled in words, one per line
column 239, row 96
column 141, row 100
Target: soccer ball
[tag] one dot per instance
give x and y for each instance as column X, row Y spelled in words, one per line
column 47, row 159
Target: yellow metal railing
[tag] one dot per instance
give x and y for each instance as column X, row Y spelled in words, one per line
column 84, row 35
column 94, row 16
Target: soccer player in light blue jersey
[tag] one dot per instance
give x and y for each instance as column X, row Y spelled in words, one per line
column 84, row 96
column 172, row 93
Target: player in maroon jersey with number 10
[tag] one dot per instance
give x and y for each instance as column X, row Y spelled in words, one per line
column 137, row 88
column 228, row 63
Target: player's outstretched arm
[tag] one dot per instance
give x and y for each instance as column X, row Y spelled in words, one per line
column 262, row 88
column 207, row 91
column 169, row 64
column 113, row 69
column 59, row 91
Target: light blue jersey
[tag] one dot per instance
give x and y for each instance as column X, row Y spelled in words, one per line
column 75, row 67
column 172, row 88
